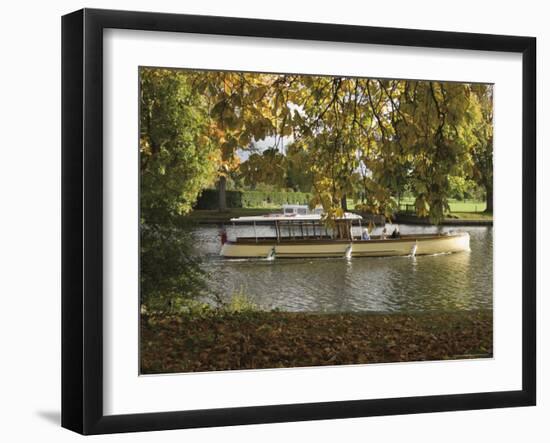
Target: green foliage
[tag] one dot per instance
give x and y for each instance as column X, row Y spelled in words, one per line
column 177, row 159
column 255, row 199
column 436, row 123
column 298, row 174
column 170, row 273
column 208, row 199
column 269, row 168
column 364, row 139
column 241, row 303
column 252, row 199
column 482, row 152
column 278, row 170
column 462, row 188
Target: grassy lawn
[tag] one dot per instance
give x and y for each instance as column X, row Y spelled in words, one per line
column 473, row 215
column 467, row 206
column 257, row 340
column 461, row 210
column 457, row 206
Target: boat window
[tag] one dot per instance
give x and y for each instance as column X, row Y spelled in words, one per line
column 302, row 211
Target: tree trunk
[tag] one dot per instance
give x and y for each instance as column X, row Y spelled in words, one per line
column 344, row 203
column 222, row 198
column 489, row 197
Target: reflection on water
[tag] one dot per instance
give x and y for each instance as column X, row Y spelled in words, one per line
column 447, row 282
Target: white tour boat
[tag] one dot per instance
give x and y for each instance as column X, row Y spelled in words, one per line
column 300, row 233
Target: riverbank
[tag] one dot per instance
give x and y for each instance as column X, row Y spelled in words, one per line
column 260, row 340
column 454, row 219
column 213, row 216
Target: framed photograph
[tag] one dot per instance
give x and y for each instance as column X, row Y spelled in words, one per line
column 269, row 221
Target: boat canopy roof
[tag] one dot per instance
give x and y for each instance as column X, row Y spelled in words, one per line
column 292, row 217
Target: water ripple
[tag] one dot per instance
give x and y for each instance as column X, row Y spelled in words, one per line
column 462, row 280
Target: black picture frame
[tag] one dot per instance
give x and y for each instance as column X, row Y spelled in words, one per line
column 82, row 218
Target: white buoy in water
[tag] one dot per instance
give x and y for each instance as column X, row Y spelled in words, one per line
column 349, row 250
column 271, row 254
column 413, row 249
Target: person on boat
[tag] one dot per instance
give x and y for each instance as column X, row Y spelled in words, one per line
column 396, row 233
column 384, row 234
column 365, row 235
column 223, row 236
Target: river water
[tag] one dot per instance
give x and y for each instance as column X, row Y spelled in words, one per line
column 446, row 282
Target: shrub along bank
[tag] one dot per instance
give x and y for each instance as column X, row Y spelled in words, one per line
column 251, row 199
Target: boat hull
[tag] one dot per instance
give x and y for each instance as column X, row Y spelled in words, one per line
column 425, row 245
